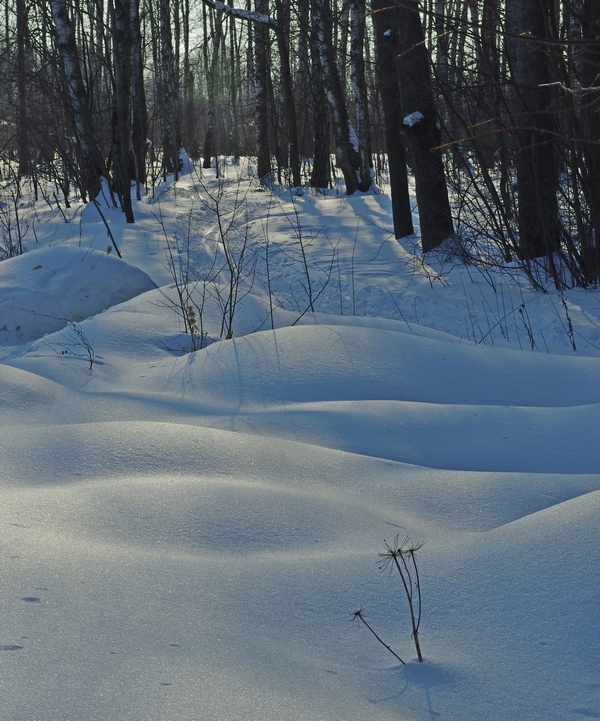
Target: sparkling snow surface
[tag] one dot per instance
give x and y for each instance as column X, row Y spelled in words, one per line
column 184, row 536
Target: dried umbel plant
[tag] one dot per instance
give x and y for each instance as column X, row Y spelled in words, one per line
column 359, row 616
column 402, row 556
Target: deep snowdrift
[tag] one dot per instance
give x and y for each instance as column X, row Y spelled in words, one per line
column 185, row 536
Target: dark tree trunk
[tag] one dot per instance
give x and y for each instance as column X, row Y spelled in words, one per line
column 261, row 94
column 212, row 77
column 590, row 67
column 170, row 87
column 139, row 115
column 489, row 92
column 303, row 82
column 321, row 172
column 359, row 86
column 190, row 138
column 22, row 89
column 121, row 19
column 278, row 134
column 346, row 155
column 282, row 32
column 420, row 126
column 209, row 139
column 391, row 101
column 533, row 118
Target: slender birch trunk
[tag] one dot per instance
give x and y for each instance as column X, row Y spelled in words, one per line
column 212, row 63
column 91, row 163
column 22, row 89
column 346, row 156
column 170, row 91
column 261, row 94
column 121, row 18
column 282, row 36
column 321, row 172
column 139, row 114
column 359, row 87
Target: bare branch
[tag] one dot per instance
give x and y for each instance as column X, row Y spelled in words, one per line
column 248, row 15
column 573, row 91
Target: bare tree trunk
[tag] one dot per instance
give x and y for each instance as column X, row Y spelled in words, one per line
column 91, row 163
column 590, row 78
column 321, row 172
column 278, row 127
column 22, row 65
column 340, row 10
column 121, row 19
column 389, row 90
column 170, row 86
column 359, row 86
column 531, row 104
column 190, row 138
column 209, row 139
column 421, row 127
column 489, row 88
column 261, row 94
column 303, row 82
column 234, row 85
column 346, row 156
column 282, row 32
column 139, row 130
column 213, row 82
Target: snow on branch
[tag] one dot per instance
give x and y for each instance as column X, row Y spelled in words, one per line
column 249, row 15
column 413, row 119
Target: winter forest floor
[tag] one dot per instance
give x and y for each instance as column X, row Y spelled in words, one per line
column 185, row 535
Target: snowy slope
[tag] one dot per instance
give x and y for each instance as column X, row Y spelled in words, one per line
column 186, row 535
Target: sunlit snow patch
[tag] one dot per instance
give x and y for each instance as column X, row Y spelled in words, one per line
column 42, row 290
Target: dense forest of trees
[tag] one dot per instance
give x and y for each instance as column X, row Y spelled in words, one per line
column 492, row 106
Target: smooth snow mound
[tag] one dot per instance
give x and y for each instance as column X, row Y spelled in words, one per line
column 42, row 290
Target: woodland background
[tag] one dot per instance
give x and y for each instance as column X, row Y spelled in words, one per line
column 492, row 107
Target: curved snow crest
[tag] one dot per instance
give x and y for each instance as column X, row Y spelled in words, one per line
column 337, row 363
column 42, row 290
column 24, row 391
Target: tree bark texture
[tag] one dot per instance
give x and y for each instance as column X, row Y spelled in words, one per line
column 321, row 171
column 170, row 91
column 91, row 163
column 422, row 133
column 533, row 114
column 304, row 83
column 22, row 120
column 359, row 87
column 211, row 64
column 121, row 23
column 282, row 35
column 139, row 114
column 590, row 78
column 345, row 154
column 261, row 94
column 389, row 90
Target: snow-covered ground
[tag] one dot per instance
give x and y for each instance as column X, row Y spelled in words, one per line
column 185, row 536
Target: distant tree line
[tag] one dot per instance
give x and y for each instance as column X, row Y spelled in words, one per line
column 491, row 106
